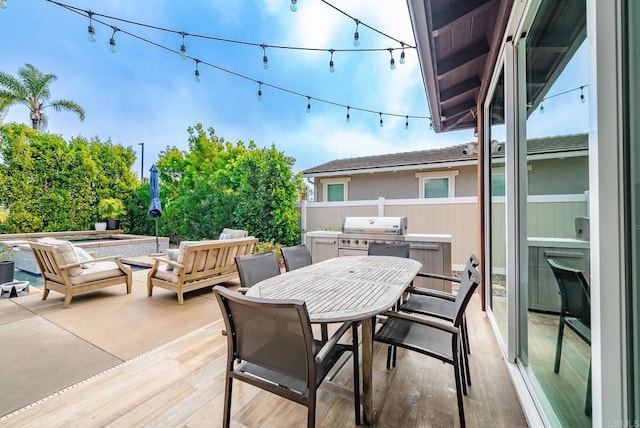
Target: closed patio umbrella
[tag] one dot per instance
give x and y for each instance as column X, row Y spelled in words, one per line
column 155, row 208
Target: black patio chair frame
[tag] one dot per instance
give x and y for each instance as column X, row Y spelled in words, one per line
column 280, row 355
column 436, row 338
column 575, row 313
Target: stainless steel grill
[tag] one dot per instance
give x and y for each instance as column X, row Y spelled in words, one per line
column 358, row 232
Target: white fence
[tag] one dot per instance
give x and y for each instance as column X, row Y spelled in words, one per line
column 548, row 216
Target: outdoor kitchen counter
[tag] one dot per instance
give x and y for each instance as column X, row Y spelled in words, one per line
column 425, row 237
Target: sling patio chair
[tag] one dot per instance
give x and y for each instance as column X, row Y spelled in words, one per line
column 253, row 268
column 296, row 257
column 271, row 346
column 440, row 304
column 575, row 313
column 436, row 338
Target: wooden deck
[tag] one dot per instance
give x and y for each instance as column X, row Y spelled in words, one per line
column 181, row 384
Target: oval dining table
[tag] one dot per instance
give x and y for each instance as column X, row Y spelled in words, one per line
column 353, row 288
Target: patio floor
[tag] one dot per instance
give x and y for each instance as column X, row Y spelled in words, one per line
column 113, row 359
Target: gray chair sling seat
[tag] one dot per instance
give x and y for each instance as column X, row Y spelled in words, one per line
column 437, row 303
column 296, row 257
column 393, row 250
column 253, row 268
column 271, row 346
column 434, row 337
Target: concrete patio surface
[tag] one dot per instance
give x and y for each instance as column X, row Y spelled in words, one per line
column 46, row 348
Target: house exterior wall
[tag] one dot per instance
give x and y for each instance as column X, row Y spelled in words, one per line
column 559, row 176
column 550, row 176
column 398, row 184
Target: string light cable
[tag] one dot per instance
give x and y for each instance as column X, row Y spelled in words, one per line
column 568, row 91
column 199, row 62
column 263, row 46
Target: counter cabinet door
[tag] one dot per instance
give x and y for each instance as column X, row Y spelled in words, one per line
column 323, row 248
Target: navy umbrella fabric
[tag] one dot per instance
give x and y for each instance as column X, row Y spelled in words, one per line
column 155, row 208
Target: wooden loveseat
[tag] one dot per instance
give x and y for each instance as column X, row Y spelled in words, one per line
column 63, row 272
column 199, row 264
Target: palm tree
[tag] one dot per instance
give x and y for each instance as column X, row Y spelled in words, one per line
column 32, row 90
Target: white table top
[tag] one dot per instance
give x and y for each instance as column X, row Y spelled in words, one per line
column 343, row 288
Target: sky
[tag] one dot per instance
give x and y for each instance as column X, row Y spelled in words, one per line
column 145, row 94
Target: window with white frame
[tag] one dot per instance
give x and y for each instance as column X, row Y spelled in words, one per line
column 437, row 184
column 335, row 189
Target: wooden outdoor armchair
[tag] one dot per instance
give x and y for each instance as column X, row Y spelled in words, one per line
column 63, row 273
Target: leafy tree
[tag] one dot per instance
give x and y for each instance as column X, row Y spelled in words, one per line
column 216, row 184
column 32, row 90
column 51, row 185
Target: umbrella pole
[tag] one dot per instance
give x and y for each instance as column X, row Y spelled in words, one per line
column 157, row 244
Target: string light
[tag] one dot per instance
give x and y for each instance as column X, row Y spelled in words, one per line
column 259, row 90
column 348, row 115
column 294, row 5
column 331, row 67
column 91, row 31
column 265, row 60
column 197, row 72
column 381, row 121
column 183, row 48
column 406, row 124
column 3, row 4
column 112, row 40
column 356, row 35
column 392, row 62
column 582, row 98
column 541, row 108
column 85, row 14
column 402, row 54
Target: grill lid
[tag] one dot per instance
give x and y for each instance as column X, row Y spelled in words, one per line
column 375, row 225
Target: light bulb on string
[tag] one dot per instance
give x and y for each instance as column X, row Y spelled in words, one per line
column 3, row 4
column 582, row 97
column 430, row 124
column 308, row 104
column 381, row 121
column 183, row 48
column 331, row 65
column 402, row 54
column 392, row 62
column 541, row 108
column 112, row 40
column 197, row 72
column 90, row 30
column 406, row 124
column 265, row 60
column 356, row 35
column 294, row 5
column 259, row 91
column 348, row 115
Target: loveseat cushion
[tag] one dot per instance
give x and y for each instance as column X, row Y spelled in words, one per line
column 233, row 233
column 167, row 273
column 100, row 270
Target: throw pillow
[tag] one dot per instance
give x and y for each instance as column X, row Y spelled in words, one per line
column 64, row 249
column 82, row 256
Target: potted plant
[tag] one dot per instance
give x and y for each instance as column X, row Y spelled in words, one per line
column 111, row 209
column 7, row 266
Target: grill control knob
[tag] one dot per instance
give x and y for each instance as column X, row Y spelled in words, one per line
column 356, row 242
column 364, row 242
